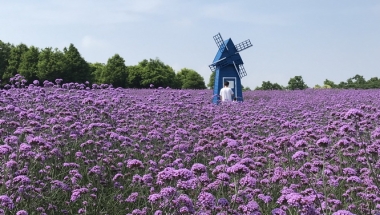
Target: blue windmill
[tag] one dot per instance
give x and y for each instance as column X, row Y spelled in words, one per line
column 228, row 66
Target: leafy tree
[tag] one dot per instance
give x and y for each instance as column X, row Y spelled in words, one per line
column 296, row 83
column 267, row 85
column 373, row 83
column 29, row 64
column 96, row 72
column 14, row 60
column 342, row 85
column 211, row 81
column 50, row 65
column 157, row 73
column 329, row 83
column 135, row 76
column 5, row 49
column 190, row 79
column 76, row 68
column 246, row 88
column 115, row 72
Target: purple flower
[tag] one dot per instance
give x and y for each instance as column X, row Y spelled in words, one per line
column 168, row 192
column 248, row 181
column 132, row 197
column 355, row 179
column 154, row 198
column 323, row 142
column 299, row 155
column 117, row 176
column 7, row 202
column 59, row 185
column 376, row 133
column 76, row 194
column 95, row 170
column 158, row 212
column 278, row 211
column 11, row 164
column 353, row 113
column 5, row 149
column 342, row 212
column 22, row 212
column 264, row 198
column 223, row 202
column 198, row 168
column 250, row 207
column 206, row 200
column 22, row 179
column 134, row 163
column 223, row 177
column 237, row 169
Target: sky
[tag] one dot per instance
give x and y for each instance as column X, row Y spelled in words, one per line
column 316, row 39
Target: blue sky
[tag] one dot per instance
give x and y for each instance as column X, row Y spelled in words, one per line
column 316, row 39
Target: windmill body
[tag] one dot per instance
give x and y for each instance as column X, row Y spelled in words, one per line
column 228, row 66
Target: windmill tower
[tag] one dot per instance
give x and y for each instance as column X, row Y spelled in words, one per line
column 228, row 66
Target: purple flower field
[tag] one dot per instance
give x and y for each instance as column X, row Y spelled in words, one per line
column 162, row 151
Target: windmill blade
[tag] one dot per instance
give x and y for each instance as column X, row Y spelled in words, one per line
column 212, row 67
column 220, row 64
column 219, row 41
column 236, row 68
column 243, row 45
column 242, row 71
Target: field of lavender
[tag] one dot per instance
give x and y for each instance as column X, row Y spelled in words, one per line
column 112, row 151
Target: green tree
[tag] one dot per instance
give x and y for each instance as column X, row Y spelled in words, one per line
column 50, row 64
column 76, row 68
column 296, row 83
column 157, row 73
column 211, row 82
column 246, row 88
column 329, row 83
column 14, row 60
column 267, row 85
column 373, row 83
column 5, row 49
column 135, row 76
column 342, row 85
column 359, row 82
column 190, row 79
column 96, row 72
column 115, row 72
column 28, row 65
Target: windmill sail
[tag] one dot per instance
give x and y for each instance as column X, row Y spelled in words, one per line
column 242, row 71
column 219, row 41
column 243, row 45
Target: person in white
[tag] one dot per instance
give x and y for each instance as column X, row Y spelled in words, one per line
column 226, row 92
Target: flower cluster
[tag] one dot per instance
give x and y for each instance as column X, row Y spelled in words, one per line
column 68, row 149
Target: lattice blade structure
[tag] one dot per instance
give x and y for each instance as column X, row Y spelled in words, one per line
column 219, row 64
column 219, row 41
column 243, row 45
column 242, row 71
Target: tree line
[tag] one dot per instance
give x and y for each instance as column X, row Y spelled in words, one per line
column 50, row 64
column 297, row 82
